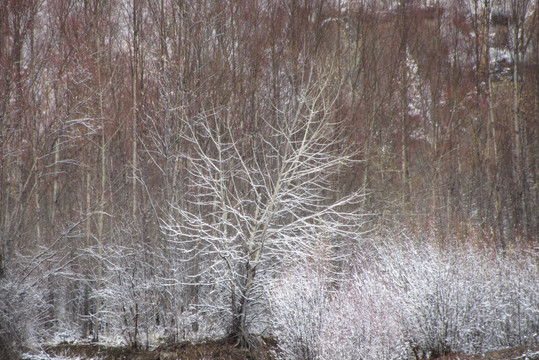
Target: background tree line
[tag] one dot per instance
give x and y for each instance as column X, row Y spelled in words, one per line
column 111, row 111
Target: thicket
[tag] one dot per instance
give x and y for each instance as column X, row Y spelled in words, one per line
column 409, row 299
column 25, row 313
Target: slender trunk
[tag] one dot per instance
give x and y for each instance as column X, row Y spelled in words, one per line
column 134, row 74
column 518, row 168
column 435, row 113
column 492, row 146
column 102, row 177
column 100, row 221
column 37, row 203
column 56, row 150
column 404, row 151
column 38, row 213
column 87, row 326
column 406, row 184
column 534, row 145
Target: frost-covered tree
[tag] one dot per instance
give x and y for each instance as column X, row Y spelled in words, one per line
column 255, row 207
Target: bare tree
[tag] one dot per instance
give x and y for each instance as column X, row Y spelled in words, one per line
column 252, row 216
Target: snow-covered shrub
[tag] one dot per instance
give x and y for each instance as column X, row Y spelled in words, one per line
column 23, row 315
column 513, row 311
column 461, row 299
column 363, row 321
column 128, row 294
column 299, row 305
column 11, row 322
column 313, row 318
column 147, row 296
column 409, row 299
column 438, row 300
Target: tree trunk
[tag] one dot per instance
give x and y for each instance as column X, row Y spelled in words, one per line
column 102, row 178
column 134, row 75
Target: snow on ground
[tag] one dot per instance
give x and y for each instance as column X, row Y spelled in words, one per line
column 45, row 356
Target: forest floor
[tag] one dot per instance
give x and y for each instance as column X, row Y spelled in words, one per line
column 514, row 353
column 223, row 350
column 209, row 350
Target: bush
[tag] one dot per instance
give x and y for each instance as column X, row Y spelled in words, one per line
column 21, row 317
column 312, row 319
column 464, row 299
column 363, row 321
column 410, row 300
column 11, row 329
column 299, row 304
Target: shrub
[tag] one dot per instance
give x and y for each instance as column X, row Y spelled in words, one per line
column 410, row 299
column 299, row 305
column 464, row 299
column 22, row 317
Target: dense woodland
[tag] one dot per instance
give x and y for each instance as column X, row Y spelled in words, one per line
column 176, row 170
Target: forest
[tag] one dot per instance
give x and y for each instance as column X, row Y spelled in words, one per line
column 350, row 179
